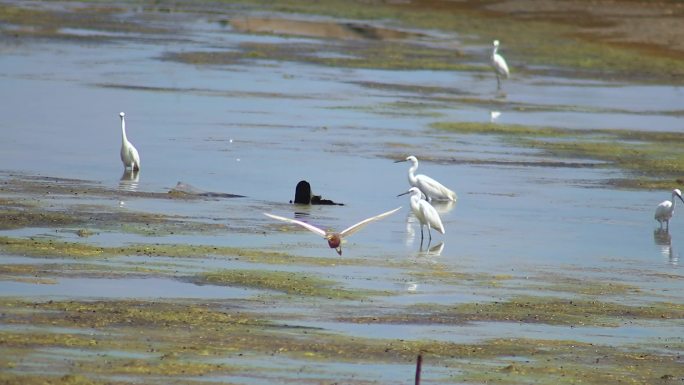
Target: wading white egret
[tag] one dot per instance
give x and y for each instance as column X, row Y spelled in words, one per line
column 499, row 64
column 129, row 154
column 428, row 186
column 334, row 238
column 665, row 209
column 423, row 210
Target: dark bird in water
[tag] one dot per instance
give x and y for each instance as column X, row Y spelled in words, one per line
column 304, row 196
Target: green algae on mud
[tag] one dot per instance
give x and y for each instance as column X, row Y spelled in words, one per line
column 388, row 55
column 67, row 379
column 191, row 337
column 98, row 314
column 539, row 40
column 44, row 23
column 544, row 310
column 290, row 283
column 47, row 272
column 20, row 218
column 49, row 248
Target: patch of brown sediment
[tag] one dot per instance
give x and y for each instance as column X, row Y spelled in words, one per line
column 319, row 29
column 651, row 25
column 658, row 22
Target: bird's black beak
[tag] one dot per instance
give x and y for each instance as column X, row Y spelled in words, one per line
column 339, row 251
column 403, row 193
column 400, row 161
column 680, row 198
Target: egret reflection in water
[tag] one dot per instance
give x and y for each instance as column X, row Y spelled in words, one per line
column 129, row 180
column 663, row 239
column 434, row 251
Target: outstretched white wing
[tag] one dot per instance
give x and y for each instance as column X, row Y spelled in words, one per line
column 305, row 225
column 352, row 229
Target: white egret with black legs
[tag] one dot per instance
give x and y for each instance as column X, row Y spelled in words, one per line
column 334, row 238
column 432, row 189
column 499, row 64
column 129, row 154
column 665, row 209
column 423, row 210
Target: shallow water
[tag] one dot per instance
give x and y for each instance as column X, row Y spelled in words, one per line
column 122, row 288
column 257, row 128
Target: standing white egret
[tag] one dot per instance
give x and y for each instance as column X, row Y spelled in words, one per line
column 129, row 154
column 423, row 210
column 499, row 64
column 428, row 186
column 665, row 209
column 334, row 239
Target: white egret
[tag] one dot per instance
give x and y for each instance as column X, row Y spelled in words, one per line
column 423, row 210
column 499, row 64
column 129, row 154
column 428, row 186
column 665, row 209
column 334, row 239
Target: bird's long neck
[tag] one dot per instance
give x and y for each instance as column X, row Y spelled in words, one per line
column 412, row 173
column 415, row 200
column 123, row 130
column 496, row 48
column 674, row 201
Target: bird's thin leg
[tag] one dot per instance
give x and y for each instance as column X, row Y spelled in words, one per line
column 429, row 234
column 498, row 82
column 421, row 233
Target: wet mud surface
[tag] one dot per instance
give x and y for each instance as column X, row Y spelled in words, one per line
column 551, row 271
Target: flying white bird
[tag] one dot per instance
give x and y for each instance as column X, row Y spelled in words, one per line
column 665, row 209
column 499, row 64
column 129, row 154
column 334, row 239
column 432, row 189
column 423, row 210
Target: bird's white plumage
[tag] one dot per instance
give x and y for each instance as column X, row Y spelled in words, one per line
column 499, row 64
column 305, row 225
column 665, row 209
column 432, row 189
column 129, row 154
column 423, row 210
column 334, row 239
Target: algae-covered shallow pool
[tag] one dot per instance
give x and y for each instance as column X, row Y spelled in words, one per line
column 552, row 269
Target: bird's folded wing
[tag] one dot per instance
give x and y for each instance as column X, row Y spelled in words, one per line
column 352, row 229
column 305, row 225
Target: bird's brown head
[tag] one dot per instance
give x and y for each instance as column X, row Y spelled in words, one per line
column 335, row 242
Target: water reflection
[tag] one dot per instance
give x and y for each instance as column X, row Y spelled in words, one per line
column 663, row 239
column 493, row 116
column 434, row 251
column 129, row 180
column 410, row 232
column 301, row 215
